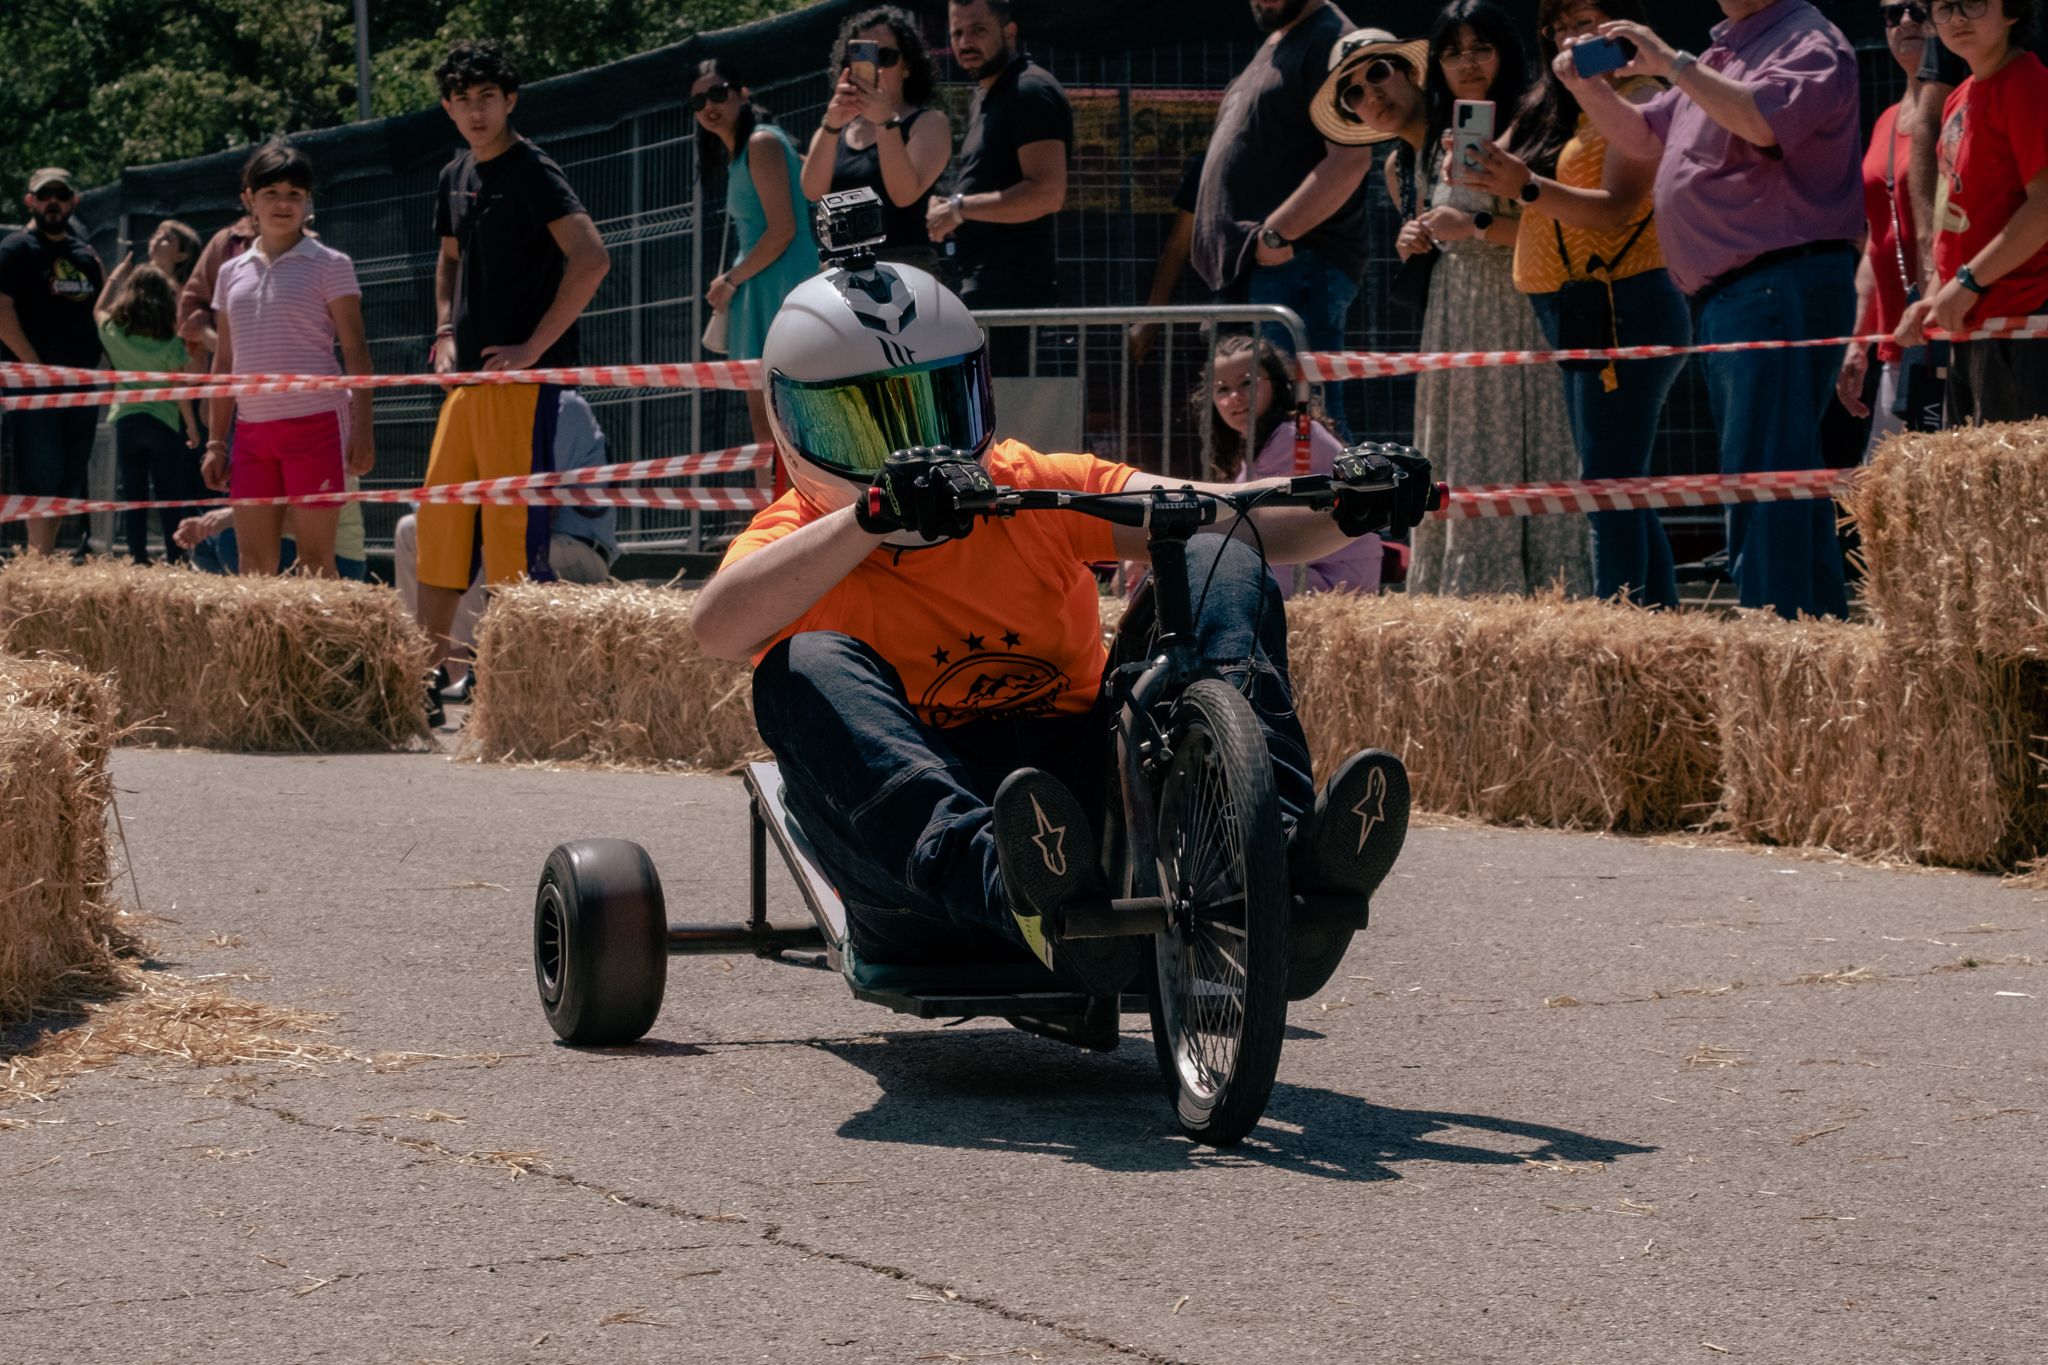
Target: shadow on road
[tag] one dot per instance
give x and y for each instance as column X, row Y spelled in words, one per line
column 1000, row 1091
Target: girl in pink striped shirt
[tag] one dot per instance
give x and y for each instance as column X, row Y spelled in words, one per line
column 282, row 306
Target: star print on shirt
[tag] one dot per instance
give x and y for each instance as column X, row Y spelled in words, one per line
column 972, row 641
column 939, row 656
column 1011, row 639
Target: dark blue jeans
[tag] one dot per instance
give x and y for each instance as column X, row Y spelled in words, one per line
column 1768, row 407
column 898, row 812
column 1614, row 432
column 1320, row 292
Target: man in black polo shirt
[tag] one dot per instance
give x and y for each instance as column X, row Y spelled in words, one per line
column 520, row 260
column 1012, row 173
column 50, row 277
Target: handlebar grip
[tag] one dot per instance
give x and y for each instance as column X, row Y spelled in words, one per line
column 1439, row 496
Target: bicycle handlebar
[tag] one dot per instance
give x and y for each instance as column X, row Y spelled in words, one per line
column 1317, row 492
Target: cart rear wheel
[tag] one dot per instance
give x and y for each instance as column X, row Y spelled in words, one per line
column 1219, row 1002
column 600, row 942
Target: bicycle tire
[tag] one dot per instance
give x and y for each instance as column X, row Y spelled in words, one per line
column 1219, row 982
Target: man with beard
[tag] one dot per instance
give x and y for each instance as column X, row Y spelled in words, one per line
column 1011, row 177
column 50, row 279
column 1281, row 214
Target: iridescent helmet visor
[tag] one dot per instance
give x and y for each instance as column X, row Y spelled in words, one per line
column 850, row 426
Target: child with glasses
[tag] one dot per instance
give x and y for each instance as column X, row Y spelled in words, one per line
column 1990, row 212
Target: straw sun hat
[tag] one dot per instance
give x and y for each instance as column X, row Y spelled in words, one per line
column 1352, row 52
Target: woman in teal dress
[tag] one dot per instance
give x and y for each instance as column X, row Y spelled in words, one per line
column 771, row 219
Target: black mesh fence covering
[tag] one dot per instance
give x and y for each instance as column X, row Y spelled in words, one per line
column 1145, row 77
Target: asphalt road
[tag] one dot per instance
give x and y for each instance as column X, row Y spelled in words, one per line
column 1703, row 1158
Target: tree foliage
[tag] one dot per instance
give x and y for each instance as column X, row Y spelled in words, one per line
column 95, row 85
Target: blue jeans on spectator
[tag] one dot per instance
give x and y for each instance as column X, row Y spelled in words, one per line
column 220, row 554
column 898, row 811
column 1768, row 407
column 1614, row 431
column 1320, row 292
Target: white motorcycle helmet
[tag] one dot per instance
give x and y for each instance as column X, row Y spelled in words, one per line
column 862, row 363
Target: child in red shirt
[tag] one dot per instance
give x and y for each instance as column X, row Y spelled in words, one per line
column 1991, row 216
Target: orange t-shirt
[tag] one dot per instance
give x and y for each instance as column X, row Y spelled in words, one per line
column 1002, row 623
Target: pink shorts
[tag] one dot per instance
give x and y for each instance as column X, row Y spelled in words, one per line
column 287, row 457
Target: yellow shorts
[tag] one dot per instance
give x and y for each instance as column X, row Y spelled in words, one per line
column 488, row 431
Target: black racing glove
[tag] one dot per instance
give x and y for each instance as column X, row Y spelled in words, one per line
column 1381, row 487
column 932, row 490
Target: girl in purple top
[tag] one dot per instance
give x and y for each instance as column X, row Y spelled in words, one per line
column 1246, row 380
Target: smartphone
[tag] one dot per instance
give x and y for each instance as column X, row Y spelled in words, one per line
column 1598, row 56
column 1471, row 124
column 864, row 60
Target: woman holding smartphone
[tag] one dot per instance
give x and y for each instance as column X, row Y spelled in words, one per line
column 1502, row 424
column 1587, row 253
column 764, row 203
column 877, row 132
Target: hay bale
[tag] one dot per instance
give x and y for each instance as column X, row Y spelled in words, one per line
column 1955, row 538
column 1568, row 714
column 88, row 700
column 56, row 935
column 252, row 664
column 1834, row 735
column 607, row 674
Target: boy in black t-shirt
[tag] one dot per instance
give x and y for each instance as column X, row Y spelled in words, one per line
column 520, row 260
column 50, row 278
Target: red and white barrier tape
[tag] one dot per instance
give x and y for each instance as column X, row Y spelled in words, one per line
column 561, row 488
column 1614, row 495
column 745, row 374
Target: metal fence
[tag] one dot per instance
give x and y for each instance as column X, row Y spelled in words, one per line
column 1140, row 115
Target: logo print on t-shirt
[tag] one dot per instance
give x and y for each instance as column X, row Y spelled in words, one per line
column 1950, row 215
column 989, row 682
column 67, row 281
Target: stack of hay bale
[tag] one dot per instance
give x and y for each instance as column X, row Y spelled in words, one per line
column 1922, row 737
column 249, row 664
column 606, row 674
column 57, row 931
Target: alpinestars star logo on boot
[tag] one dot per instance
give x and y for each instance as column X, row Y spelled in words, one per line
column 1051, row 840
column 1371, row 809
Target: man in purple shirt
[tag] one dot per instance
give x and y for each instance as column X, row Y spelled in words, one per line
column 1758, row 206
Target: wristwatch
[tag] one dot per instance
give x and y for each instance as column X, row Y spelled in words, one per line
column 953, row 202
column 1481, row 221
column 1531, row 191
column 1272, row 240
column 895, row 121
column 1967, row 278
column 1680, row 60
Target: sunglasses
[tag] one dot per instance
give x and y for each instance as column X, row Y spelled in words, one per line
column 715, row 94
column 1378, row 71
column 1894, row 15
column 886, row 57
column 57, row 195
column 1945, row 12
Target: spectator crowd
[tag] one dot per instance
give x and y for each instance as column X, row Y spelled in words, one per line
column 1596, row 187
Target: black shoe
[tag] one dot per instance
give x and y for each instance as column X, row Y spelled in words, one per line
column 1048, row 857
column 461, row 692
column 1340, row 853
column 436, row 717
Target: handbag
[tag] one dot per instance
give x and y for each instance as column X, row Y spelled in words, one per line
column 1409, row 288
column 714, row 338
column 1585, row 308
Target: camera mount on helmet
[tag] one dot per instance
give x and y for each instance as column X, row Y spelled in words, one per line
column 849, row 225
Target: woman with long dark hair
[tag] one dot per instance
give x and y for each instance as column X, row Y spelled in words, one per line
column 878, row 132
column 1250, row 382
column 765, row 204
column 1588, row 258
column 1496, row 425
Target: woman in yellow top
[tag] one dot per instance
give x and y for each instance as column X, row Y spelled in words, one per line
column 1587, row 257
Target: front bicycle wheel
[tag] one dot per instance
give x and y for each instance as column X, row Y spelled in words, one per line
column 1219, row 998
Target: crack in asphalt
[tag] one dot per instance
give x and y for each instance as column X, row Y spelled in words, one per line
column 770, row 1234
column 301, row 1288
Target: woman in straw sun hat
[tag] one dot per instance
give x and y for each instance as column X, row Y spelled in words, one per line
column 1362, row 101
